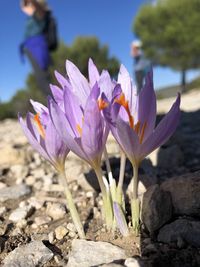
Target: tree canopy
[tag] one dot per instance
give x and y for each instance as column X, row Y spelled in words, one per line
column 170, row 33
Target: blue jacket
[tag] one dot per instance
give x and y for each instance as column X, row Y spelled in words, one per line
column 35, row 41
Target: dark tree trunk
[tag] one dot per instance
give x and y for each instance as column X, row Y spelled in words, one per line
column 183, row 81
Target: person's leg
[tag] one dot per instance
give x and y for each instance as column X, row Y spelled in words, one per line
column 139, row 76
column 42, row 76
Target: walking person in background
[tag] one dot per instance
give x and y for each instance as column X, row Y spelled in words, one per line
column 38, row 40
column 141, row 64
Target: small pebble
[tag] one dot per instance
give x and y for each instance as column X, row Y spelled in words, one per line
column 2, row 185
column 71, row 227
column 42, row 220
column 131, row 262
column 38, row 185
column 51, row 237
column 89, row 194
column 60, row 232
column 22, row 223
column 30, row 180
column 56, row 210
column 21, row 213
column 37, row 204
column 2, row 210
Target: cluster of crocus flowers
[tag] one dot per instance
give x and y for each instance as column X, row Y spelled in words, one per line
column 79, row 118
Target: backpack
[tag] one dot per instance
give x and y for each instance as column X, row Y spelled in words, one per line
column 50, row 32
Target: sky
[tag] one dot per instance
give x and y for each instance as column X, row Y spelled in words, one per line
column 109, row 20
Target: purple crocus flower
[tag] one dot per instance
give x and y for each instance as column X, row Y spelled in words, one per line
column 79, row 85
column 84, row 130
column 43, row 136
column 132, row 120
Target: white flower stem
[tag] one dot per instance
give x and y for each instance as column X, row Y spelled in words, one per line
column 108, row 167
column 119, row 191
column 107, row 201
column 135, row 203
column 71, row 206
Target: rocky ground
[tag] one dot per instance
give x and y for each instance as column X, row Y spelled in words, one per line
column 35, row 226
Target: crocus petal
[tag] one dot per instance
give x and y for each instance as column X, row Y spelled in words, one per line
column 147, row 106
column 163, row 131
column 56, row 148
column 95, row 92
column 110, row 113
column 64, row 129
column 73, row 110
column 106, row 85
column 92, row 134
column 128, row 89
column 32, row 139
column 57, row 93
column 38, row 107
column 62, row 80
column 92, row 72
column 79, row 83
column 127, row 139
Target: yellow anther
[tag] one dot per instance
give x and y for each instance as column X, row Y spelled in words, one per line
column 102, row 104
column 39, row 125
column 142, row 132
column 79, row 129
column 137, row 127
column 122, row 101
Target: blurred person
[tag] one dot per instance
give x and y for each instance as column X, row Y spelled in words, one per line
column 141, row 64
column 37, row 45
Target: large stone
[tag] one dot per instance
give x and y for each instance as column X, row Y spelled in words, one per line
column 14, row 192
column 89, row 253
column 156, row 208
column 181, row 229
column 185, row 193
column 170, row 157
column 30, row 255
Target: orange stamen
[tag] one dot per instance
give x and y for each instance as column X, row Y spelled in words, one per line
column 79, row 129
column 39, row 125
column 122, row 101
column 102, row 104
column 142, row 132
column 137, row 127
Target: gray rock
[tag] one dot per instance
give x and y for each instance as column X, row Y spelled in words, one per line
column 156, row 208
column 14, row 192
column 89, row 253
column 181, row 230
column 185, row 192
column 30, row 255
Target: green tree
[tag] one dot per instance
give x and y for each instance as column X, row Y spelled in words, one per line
column 170, row 34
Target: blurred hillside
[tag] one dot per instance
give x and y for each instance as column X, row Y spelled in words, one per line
column 171, row 91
